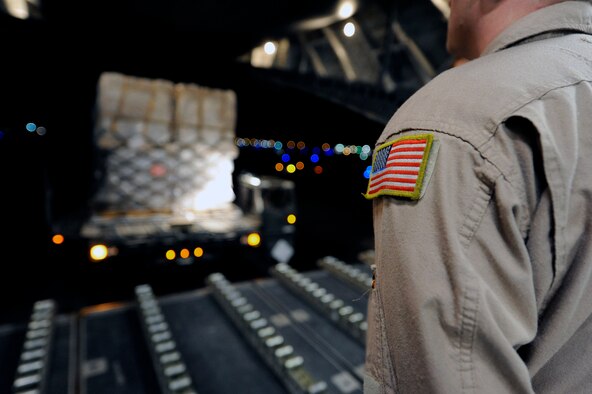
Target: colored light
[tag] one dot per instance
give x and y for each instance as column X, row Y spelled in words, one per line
column 58, row 239
column 300, row 165
column 278, row 145
column 41, row 130
column 349, row 29
column 329, row 152
column 318, row 170
column 326, row 147
column 339, row 148
column 285, row 157
column 31, row 127
column 368, row 172
column 279, row 167
column 254, row 239
column 300, row 145
column 291, row 168
column 366, row 149
column 170, row 254
column 316, row 150
column 346, row 151
column 291, row 218
column 363, row 156
column 198, row 252
column 98, row 252
column 314, row 158
column 291, row 144
column 184, row 253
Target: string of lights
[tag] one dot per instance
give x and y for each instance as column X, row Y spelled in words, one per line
column 290, row 153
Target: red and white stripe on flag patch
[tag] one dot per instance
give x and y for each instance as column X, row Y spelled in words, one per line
column 398, row 167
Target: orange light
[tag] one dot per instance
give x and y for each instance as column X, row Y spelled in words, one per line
column 253, row 239
column 300, row 165
column 279, row 167
column 108, row 306
column 58, row 239
column 184, row 253
column 301, row 145
column 198, row 252
column 291, row 218
column 326, row 147
column 291, row 144
column 318, row 170
column 98, row 252
column 170, row 254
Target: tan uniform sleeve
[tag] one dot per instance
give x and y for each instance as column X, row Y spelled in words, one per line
column 454, row 296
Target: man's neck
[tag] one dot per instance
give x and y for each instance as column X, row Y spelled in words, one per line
column 502, row 16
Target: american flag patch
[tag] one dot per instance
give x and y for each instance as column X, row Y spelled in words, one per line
column 398, row 167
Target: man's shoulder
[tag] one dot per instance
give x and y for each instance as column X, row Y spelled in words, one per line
column 470, row 101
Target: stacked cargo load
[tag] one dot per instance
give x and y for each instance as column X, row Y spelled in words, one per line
column 164, row 178
column 164, row 147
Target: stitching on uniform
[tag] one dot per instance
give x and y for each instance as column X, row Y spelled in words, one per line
column 467, row 334
column 475, row 214
column 510, row 177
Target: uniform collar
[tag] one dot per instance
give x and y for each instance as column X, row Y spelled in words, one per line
column 570, row 15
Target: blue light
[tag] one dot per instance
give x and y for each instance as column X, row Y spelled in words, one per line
column 329, row 152
column 314, row 158
column 285, row 157
column 31, row 127
column 278, row 145
column 316, row 150
column 368, row 172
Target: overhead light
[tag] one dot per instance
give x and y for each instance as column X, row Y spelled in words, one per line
column 349, row 29
column 269, row 48
column 346, row 10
